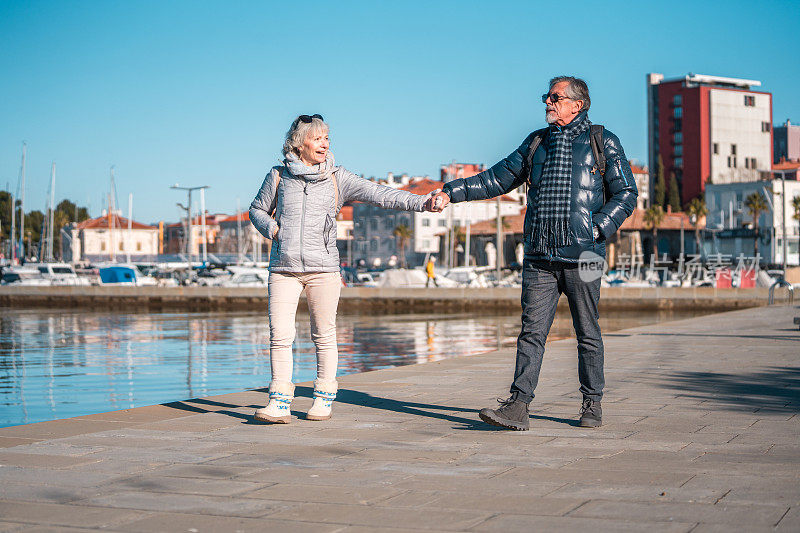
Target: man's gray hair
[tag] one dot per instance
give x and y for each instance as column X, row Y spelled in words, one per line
column 298, row 132
column 576, row 90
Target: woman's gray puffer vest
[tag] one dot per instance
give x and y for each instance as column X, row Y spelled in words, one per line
column 305, row 214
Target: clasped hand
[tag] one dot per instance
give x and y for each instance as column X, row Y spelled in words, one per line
column 437, row 201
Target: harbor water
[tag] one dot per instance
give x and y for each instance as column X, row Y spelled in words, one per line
column 63, row 363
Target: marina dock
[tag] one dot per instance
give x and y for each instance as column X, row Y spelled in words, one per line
column 701, row 433
column 383, row 299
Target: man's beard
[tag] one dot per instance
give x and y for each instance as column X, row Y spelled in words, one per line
column 550, row 117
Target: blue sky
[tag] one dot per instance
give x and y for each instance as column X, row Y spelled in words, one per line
column 201, row 93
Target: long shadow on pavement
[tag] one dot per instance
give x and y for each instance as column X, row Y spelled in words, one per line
column 774, row 390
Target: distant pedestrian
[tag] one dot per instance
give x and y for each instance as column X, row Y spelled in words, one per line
column 296, row 207
column 429, row 270
column 580, row 190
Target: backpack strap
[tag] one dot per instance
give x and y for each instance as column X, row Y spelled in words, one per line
column 274, row 206
column 335, row 195
column 527, row 163
column 596, row 140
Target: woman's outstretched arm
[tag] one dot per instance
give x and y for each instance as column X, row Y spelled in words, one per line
column 356, row 188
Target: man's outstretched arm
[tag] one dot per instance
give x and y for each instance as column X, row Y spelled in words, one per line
column 504, row 176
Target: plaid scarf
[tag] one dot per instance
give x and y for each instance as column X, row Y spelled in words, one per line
column 551, row 213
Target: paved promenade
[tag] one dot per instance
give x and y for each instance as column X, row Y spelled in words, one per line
column 701, row 434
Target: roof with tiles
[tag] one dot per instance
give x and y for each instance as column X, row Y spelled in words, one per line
column 114, row 221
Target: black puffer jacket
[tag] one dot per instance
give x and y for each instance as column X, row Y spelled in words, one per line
column 587, row 205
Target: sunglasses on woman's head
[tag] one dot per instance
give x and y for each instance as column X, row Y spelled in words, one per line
column 554, row 97
column 307, row 119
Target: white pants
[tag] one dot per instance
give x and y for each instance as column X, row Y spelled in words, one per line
column 322, row 295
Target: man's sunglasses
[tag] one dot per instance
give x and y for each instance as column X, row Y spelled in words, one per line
column 554, row 97
column 307, row 119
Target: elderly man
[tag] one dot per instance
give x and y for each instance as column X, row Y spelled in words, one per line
column 580, row 190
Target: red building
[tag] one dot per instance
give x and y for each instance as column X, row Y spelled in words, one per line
column 708, row 127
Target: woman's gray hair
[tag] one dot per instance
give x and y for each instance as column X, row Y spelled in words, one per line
column 298, row 132
column 576, row 90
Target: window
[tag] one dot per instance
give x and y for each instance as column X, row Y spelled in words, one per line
column 677, row 112
column 678, row 125
column 138, row 247
column 120, row 246
column 426, row 222
column 103, row 246
column 426, row 243
column 733, row 149
column 749, row 100
column 679, row 162
column 442, row 223
column 716, row 148
column 765, row 127
column 677, row 99
column 677, row 138
column 373, row 223
column 678, row 149
column 373, row 245
column 731, row 161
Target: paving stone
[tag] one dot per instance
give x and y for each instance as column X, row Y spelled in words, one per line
column 511, row 522
column 324, row 494
column 172, row 522
column 642, row 493
column 10, row 442
column 153, row 501
column 42, row 461
column 565, row 475
column 178, row 485
column 64, row 515
column 382, row 516
column 734, row 515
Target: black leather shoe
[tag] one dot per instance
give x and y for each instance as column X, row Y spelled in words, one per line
column 513, row 414
column 591, row 414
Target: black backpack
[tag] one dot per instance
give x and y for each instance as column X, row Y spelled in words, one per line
column 595, row 140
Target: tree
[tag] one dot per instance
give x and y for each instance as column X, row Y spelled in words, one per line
column 660, row 186
column 403, row 234
column 674, row 194
column 697, row 209
column 653, row 217
column 756, row 205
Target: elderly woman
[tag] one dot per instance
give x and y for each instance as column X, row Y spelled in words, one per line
column 296, row 208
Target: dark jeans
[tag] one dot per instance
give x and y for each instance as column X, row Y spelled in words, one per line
column 429, row 281
column 542, row 285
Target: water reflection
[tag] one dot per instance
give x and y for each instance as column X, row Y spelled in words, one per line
column 58, row 364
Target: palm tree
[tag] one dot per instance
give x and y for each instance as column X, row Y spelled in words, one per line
column 653, row 217
column 756, row 205
column 403, row 234
column 697, row 209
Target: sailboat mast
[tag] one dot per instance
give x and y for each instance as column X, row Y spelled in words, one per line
column 13, row 234
column 51, row 212
column 112, row 207
column 22, row 200
column 129, row 244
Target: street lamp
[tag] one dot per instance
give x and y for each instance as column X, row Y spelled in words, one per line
column 189, row 217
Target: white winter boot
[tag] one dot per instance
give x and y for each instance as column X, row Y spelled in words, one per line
column 277, row 411
column 324, row 394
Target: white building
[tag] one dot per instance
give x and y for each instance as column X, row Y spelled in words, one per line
column 107, row 238
column 641, row 176
column 732, row 224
